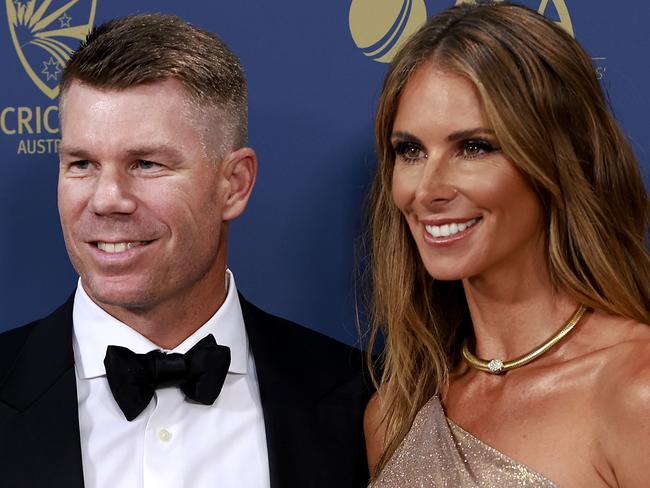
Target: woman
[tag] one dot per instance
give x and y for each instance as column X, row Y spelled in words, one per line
column 508, row 216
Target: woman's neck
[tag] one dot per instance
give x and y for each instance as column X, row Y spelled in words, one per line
column 514, row 311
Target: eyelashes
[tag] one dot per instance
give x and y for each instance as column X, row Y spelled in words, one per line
column 145, row 164
column 84, row 166
column 477, row 148
column 80, row 165
column 467, row 149
column 409, row 151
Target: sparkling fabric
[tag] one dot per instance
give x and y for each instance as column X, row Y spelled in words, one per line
column 438, row 453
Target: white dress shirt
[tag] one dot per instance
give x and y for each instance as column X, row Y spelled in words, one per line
column 173, row 443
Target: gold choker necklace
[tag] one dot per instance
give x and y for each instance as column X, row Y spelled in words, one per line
column 497, row 366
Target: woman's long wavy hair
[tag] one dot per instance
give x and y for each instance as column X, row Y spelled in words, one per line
column 544, row 102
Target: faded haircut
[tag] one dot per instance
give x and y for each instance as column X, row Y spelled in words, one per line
column 149, row 48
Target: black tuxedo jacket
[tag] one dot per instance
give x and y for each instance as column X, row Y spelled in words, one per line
column 312, row 388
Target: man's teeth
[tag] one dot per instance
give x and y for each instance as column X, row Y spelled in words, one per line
column 113, row 247
column 449, row 229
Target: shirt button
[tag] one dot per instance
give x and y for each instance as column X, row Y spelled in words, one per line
column 164, row 435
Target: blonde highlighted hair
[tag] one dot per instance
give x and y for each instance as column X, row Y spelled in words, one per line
column 543, row 100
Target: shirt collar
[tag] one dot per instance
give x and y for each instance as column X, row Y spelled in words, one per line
column 94, row 330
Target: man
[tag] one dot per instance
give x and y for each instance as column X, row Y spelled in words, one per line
column 153, row 166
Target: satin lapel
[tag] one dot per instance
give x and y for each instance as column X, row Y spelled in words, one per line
column 313, row 405
column 39, row 409
column 289, row 412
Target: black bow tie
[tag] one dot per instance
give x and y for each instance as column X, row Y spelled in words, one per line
column 133, row 378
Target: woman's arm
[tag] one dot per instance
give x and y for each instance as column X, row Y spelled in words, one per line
column 374, row 431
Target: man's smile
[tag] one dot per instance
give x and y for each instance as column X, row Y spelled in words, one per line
column 117, row 247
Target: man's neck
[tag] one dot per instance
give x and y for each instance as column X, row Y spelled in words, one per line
column 169, row 323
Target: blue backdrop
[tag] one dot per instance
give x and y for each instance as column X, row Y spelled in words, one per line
column 314, row 71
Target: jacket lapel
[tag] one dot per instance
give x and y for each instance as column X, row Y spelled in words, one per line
column 312, row 416
column 286, row 409
column 38, row 408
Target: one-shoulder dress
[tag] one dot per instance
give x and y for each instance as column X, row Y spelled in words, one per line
column 438, row 453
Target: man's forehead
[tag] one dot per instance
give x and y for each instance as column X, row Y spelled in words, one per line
column 165, row 100
column 166, row 87
column 161, row 116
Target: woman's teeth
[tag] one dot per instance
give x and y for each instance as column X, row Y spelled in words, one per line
column 447, row 230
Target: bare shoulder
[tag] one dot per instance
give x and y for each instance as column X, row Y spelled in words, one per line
column 623, row 392
column 374, row 430
column 626, row 361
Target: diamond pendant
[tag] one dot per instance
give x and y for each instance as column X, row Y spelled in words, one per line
column 495, row 366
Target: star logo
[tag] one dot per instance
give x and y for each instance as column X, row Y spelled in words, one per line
column 65, row 20
column 51, row 69
column 45, row 33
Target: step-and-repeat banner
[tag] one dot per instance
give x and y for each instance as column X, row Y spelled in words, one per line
column 314, row 70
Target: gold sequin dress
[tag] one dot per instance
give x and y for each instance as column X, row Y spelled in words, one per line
column 438, row 453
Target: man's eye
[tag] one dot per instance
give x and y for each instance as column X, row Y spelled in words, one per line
column 144, row 164
column 80, row 165
column 474, row 149
column 409, row 151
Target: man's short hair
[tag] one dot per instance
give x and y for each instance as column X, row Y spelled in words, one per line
column 147, row 48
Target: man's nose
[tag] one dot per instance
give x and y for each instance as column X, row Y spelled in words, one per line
column 113, row 193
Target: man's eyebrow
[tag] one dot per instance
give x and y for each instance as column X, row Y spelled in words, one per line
column 147, row 150
column 154, row 149
column 72, row 151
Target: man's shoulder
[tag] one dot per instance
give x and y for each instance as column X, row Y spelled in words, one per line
column 11, row 344
column 289, row 334
column 314, row 391
column 39, row 334
column 308, row 354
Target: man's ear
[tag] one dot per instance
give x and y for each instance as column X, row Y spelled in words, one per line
column 239, row 170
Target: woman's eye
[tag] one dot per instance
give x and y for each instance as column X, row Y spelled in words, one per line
column 409, row 151
column 476, row 149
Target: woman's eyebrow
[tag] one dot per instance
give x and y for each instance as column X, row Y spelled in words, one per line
column 405, row 136
column 467, row 134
